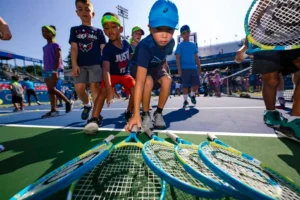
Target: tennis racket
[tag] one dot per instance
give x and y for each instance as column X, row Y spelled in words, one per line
column 122, row 175
column 246, row 173
column 273, row 25
column 158, row 154
column 67, row 173
column 187, row 155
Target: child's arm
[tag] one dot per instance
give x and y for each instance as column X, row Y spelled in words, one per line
column 137, row 98
column 58, row 58
column 177, row 53
column 165, row 65
column 4, row 30
column 107, row 81
column 198, row 63
column 240, row 54
column 74, row 55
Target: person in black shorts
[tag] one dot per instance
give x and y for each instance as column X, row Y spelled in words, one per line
column 30, row 90
column 270, row 64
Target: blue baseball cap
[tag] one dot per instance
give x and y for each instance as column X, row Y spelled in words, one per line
column 164, row 13
column 185, row 28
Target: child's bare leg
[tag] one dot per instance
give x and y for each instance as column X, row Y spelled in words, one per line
column 165, row 85
column 147, row 93
column 270, row 84
column 81, row 93
column 94, row 87
column 99, row 103
column 296, row 104
column 130, row 102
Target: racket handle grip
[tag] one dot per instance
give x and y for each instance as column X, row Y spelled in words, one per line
column 109, row 138
column 172, row 136
column 148, row 132
column 134, row 129
column 211, row 136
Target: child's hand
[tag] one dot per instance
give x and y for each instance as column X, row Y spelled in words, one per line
column 110, row 96
column 75, row 71
column 180, row 72
column 135, row 120
column 241, row 55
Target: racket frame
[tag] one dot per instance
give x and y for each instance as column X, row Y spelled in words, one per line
column 181, row 143
column 30, row 192
column 252, row 41
column 126, row 142
column 239, row 185
column 191, row 189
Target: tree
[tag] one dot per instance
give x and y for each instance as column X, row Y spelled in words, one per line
column 68, row 61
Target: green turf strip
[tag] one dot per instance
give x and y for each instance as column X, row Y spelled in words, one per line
column 33, row 152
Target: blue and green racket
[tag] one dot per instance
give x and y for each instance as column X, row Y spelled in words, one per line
column 273, row 25
column 187, row 155
column 245, row 173
column 121, row 175
column 67, row 173
column 159, row 156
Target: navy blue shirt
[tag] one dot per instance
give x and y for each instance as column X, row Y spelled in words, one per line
column 88, row 40
column 149, row 55
column 118, row 58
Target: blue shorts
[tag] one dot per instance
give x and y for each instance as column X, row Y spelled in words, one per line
column 190, row 77
column 59, row 85
column 48, row 74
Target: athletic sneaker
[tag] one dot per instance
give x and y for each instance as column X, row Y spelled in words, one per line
column 92, row 126
column 16, row 110
column 69, row 106
column 146, row 121
column 281, row 101
column 51, row 114
column 159, row 121
column 38, row 103
column 290, row 129
column 193, row 99
column 128, row 115
column 2, row 148
column 185, row 104
column 100, row 122
column 86, row 112
column 273, row 118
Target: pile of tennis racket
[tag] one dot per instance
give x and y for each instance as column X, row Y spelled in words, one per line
column 133, row 170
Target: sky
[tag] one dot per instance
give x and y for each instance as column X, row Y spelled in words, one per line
column 215, row 21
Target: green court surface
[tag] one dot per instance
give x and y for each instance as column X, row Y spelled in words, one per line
column 33, row 152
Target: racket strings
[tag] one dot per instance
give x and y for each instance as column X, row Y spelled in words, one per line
column 123, row 175
column 276, row 23
column 242, row 169
column 190, row 156
column 163, row 157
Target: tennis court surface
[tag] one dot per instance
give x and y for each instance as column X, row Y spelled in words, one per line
column 36, row 146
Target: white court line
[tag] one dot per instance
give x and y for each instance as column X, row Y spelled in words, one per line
column 269, row 135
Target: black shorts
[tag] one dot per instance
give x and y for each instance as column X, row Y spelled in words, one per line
column 30, row 92
column 155, row 73
column 16, row 99
column 275, row 61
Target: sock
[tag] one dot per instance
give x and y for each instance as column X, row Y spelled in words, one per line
column 88, row 104
column 159, row 110
column 185, row 97
column 192, row 93
column 271, row 110
column 145, row 113
column 279, row 94
column 291, row 118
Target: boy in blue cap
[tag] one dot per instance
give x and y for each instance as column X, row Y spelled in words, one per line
column 150, row 59
column 188, row 65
